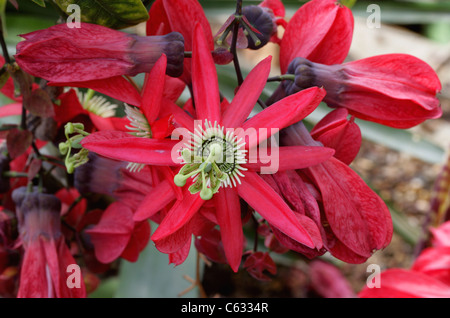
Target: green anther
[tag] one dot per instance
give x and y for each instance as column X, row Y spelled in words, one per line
column 189, row 168
column 64, row 148
column 196, row 187
column 73, row 142
column 206, row 194
column 252, row 34
column 210, row 167
column 179, row 180
column 186, row 154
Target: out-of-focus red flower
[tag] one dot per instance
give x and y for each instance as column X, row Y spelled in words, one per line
column 328, row 281
column 93, row 52
column 177, row 226
column 44, row 271
column 258, row 264
column 428, row 277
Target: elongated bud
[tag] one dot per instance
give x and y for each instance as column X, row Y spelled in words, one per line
column 397, row 90
column 93, row 52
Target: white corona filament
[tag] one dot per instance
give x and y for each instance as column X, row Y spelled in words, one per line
column 232, row 148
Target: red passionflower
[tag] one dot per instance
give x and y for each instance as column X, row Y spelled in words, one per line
column 93, row 52
column 428, row 277
column 44, row 269
column 174, row 232
column 397, row 90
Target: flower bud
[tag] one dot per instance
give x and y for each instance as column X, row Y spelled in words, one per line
column 93, row 52
column 262, row 19
column 38, row 214
column 397, row 90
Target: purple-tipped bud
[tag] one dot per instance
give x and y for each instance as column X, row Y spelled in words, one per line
column 261, row 19
column 93, row 52
column 396, row 90
column 38, row 214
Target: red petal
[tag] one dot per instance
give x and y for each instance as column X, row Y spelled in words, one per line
column 11, row 110
column 320, row 31
column 175, row 220
column 247, row 95
column 33, row 278
column 400, row 76
column 180, row 16
column 178, row 257
column 66, row 259
column 153, row 88
column 328, row 281
column 50, row 53
column 287, row 158
column 283, row 113
column 157, row 199
column 180, row 117
column 336, row 132
column 116, row 87
column 434, row 262
column 276, row 6
column 122, row 146
column 261, row 197
column 112, row 234
column 357, row 215
column 228, row 212
column 205, row 84
column 109, row 123
column 69, row 108
column 441, row 235
column 401, row 283
column 138, row 241
column 259, row 262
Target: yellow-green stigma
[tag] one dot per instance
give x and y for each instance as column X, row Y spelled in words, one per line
column 213, row 158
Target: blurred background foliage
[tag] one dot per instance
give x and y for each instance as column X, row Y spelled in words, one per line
column 422, row 26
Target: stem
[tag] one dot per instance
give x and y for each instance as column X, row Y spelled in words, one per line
column 3, row 44
column 234, row 42
column 279, row 78
column 14, row 174
column 23, row 121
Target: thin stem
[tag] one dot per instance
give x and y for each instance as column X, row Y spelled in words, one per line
column 3, row 44
column 234, row 42
column 279, row 78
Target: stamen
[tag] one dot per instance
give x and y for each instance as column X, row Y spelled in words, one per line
column 97, row 104
column 140, row 127
column 213, row 158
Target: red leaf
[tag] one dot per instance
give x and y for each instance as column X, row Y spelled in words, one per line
column 18, row 141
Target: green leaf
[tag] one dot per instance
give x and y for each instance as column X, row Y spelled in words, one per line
column 4, row 76
column 348, row 3
column 153, row 277
column 39, row 2
column 115, row 14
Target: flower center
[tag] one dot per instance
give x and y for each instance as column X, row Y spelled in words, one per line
column 212, row 158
